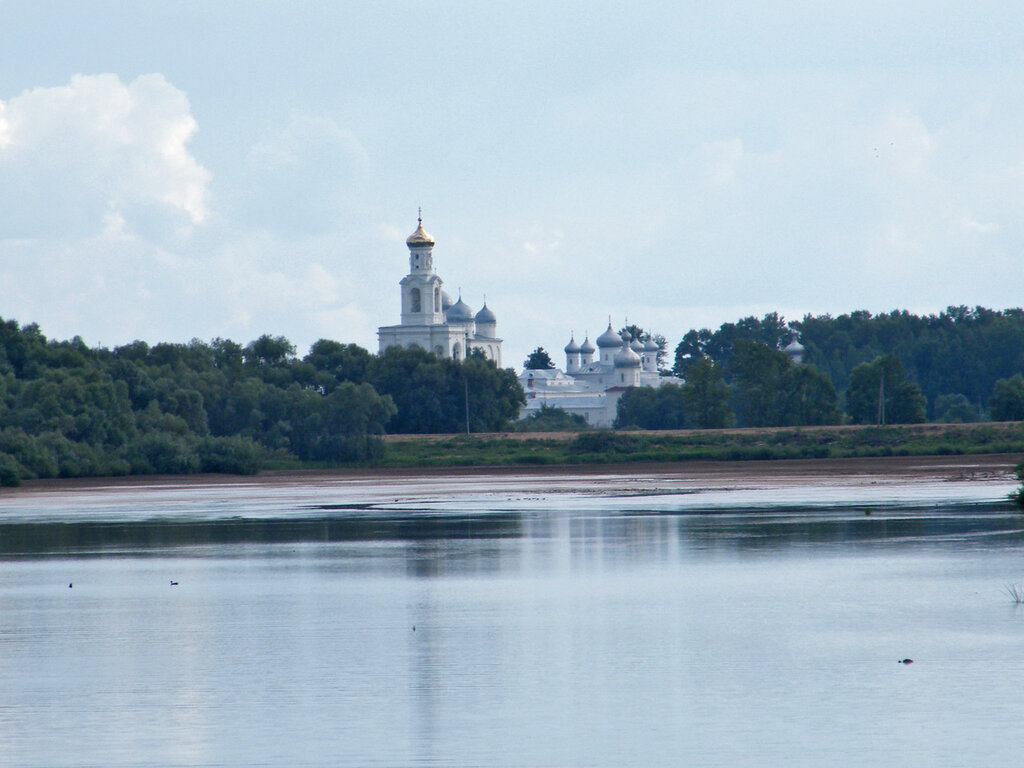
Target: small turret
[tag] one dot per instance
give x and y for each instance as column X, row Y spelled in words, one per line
column 795, row 350
column 627, row 366
column 608, row 342
column 587, row 351
column 650, row 356
column 572, row 355
column 459, row 312
column 486, row 322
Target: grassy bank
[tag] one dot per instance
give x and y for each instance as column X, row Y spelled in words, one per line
column 599, row 447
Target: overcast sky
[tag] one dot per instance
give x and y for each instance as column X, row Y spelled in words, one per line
column 171, row 170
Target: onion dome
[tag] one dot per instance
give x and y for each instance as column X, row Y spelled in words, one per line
column 460, row 312
column 651, row 346
column 446, row 301
column 609, row 338
column 794, row 347
column 587, row 348
column 626, row 358
column 636, row 346
column 572, row 347
column 419, row 237
column 485, row 316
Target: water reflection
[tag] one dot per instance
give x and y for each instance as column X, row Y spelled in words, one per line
column 434, row 544
column 555, row 635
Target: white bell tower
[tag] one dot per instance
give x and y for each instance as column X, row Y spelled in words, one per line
column 421, row 288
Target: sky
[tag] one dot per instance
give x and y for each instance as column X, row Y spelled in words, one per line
column 180, row 170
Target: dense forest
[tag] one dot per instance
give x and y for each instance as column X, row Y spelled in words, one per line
column 70, row 410
column 960, row 365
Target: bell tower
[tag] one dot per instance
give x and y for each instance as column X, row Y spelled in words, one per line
column 421, row 288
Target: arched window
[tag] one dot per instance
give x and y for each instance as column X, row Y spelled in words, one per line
column 437, row 299
column 457, row 351
column 414, row 294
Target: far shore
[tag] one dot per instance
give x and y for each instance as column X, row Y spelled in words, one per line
column 977, row 467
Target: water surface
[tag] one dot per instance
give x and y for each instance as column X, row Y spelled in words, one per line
column 511, row 622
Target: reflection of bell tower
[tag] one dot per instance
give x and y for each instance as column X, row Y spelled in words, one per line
column 421, row 288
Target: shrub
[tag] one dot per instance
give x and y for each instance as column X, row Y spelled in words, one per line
column 230, row 455
column 11, row 471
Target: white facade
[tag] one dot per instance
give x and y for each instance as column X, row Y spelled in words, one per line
column 429, row 320
column 592, row 387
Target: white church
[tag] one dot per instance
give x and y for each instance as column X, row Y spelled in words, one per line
column 429, row 319
column 589, row 386
column 594, row 377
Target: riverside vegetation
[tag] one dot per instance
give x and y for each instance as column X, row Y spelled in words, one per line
column 69, row 410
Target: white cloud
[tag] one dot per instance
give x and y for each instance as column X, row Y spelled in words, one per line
column 75, row 157
column 976, row 226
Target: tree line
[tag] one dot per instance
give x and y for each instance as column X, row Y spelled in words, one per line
column 70, row 410
column 960, row 365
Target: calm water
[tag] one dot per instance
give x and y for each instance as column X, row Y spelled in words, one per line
column 329, row 626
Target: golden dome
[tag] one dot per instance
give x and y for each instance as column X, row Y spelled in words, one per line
column 420, row 236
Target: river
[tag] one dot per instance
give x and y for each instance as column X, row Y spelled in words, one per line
column 745, row 617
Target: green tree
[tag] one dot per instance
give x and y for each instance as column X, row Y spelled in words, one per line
column 538, row 360
column 706, row 396
column 881, row 393
column 770, row 390
column 771, row 331
column 269, row 351
column 661, row 407
column 431, row 393
column 808, row 398
column 757, row 373
column 495, row 395
column 955, row 409
column 1007, row 401
column 339, row 362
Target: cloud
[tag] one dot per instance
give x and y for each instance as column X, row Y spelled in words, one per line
column 77, row 157
column 301, row 179
column 976, row 226
column 110, row 219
